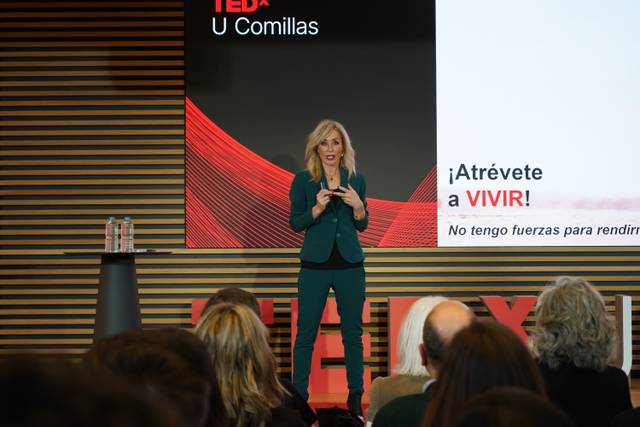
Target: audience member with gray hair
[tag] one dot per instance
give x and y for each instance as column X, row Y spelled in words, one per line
column 410, row 374
column 573, row 342
column 441, row 326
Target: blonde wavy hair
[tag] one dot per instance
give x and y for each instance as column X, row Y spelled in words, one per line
column 319, row 134
column 572, row 326
column 246, row 368
column 410, row 337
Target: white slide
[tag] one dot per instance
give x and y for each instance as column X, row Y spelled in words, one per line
column 538, row 111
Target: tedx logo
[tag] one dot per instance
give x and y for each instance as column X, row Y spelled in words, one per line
column 239, row 6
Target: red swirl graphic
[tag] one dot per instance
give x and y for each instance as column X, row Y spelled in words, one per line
column 237, row 199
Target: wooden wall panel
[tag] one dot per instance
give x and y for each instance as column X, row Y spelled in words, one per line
column 92, row 125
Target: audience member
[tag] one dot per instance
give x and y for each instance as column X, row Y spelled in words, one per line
column 573, row 343
column 481, row 357
column 234, row 296
column 509, row 407
column 440, row 326
column 410, row 373
column 35, row 393
column 292, row 399
column 156, row 372
column 196, row 356
column 238, row 344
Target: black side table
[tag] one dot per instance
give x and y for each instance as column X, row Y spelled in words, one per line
column 118, row 304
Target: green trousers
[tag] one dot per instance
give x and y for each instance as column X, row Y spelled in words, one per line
column 313, row 289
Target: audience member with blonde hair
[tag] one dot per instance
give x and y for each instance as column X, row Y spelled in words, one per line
column 246, row 368
column 410, row 373
column 292, row 398
column 573, row 342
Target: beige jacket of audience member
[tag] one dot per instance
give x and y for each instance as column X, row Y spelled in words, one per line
column 385, row 389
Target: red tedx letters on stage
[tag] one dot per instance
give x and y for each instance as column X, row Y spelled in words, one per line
column 239, row 6
column 512, row 316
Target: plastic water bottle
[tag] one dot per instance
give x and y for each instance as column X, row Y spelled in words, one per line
column 126, row 235
column 111, row 235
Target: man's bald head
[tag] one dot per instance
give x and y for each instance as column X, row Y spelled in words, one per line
column 441, row 325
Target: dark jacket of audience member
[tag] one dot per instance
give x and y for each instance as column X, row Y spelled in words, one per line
column 628, row 418
column 156, row 372
column 573, row 342
column 481, row 357
column 511, row 407
column 55, row 394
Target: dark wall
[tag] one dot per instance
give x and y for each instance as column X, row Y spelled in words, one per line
column 371, row 67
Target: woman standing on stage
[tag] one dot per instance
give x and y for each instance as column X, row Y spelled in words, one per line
column 328, row 203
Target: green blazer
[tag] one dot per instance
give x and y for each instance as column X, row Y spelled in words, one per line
column 335, row 224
